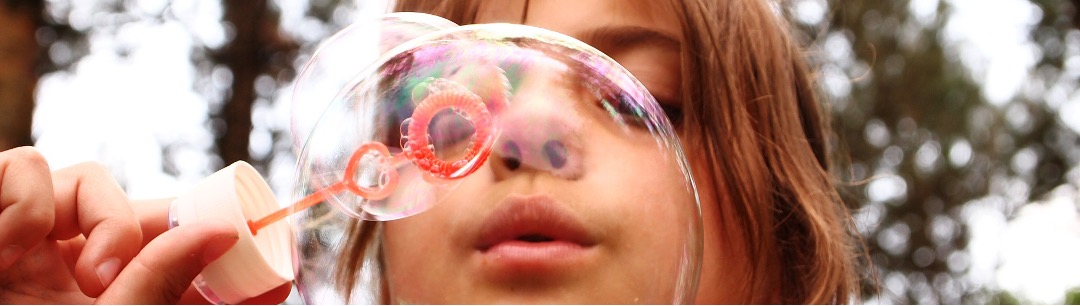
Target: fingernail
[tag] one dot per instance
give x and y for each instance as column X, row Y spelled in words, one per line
column 9, row 255
column 217, row 247
column 107, row 271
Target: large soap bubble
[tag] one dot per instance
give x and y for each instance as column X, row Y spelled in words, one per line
column 488, row 163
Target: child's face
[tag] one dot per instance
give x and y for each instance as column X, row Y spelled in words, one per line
column 584, row 214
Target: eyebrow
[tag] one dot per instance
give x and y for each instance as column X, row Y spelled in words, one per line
column 613, row 38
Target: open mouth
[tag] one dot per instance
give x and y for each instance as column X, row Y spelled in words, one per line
column 531, row 241
column 533, row 236
column 535, row 221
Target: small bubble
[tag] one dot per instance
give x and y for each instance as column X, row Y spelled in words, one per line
column 405, row 127
column 421, row 91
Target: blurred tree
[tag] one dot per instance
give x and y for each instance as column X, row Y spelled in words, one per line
column 261, row 57
column 257, row 58
column 36, row 38
column 17, row 80
column 921, row 142
column 257, row 48
column 1072, row 297
column 1005, row 298
column 27, row 36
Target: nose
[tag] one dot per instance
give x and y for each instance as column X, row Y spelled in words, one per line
column 540, row 132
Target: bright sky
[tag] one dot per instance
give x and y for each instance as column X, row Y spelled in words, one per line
column 119, row 111
column 1038, row 250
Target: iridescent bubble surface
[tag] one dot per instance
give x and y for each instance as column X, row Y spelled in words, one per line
column 511, row 142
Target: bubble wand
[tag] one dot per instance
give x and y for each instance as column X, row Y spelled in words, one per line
column 418, row 150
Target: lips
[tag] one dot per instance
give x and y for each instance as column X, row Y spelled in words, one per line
column 532, row 234
column 535, row 219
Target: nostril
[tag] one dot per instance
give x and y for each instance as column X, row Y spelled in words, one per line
column 511, row 155
column 512, row 163
column 556, row 153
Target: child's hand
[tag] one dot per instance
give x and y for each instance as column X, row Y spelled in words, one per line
column 71, row 236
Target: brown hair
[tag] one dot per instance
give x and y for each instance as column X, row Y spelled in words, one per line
column 750, row 102
column 753, row 106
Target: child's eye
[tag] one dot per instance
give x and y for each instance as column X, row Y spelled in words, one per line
column 673, row 111
column 622, row 106
column 633, row 114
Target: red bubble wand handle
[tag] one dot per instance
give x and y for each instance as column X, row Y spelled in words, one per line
column 418, row 150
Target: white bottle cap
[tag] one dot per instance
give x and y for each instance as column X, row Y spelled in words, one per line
column 257, row 263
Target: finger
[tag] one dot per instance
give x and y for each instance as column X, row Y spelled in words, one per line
column 166, row 266
column 26, row 202
column 70, row 249
column 153, row 216
column 90, row 202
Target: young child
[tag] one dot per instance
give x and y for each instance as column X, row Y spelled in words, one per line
column 731, row 77
column 729, row 74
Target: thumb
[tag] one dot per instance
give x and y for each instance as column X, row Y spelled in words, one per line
column 164, row 269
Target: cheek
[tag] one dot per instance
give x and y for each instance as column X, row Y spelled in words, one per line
column 425, row 255
column 400, row 239
column 417, row 257
column 644, row 197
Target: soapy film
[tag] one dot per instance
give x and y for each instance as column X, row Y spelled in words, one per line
column 446, row 106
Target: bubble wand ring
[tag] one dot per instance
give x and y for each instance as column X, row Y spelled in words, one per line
column 387, row 180
column 468, row 105
column 419, row 151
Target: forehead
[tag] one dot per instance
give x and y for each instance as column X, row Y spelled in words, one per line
column 579, row 18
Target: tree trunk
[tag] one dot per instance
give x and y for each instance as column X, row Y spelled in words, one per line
column 18, row 56
column 247, row 56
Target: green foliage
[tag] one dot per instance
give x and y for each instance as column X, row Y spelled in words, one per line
column 1006, row 298
column 910, row 118
column 1072, row 297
